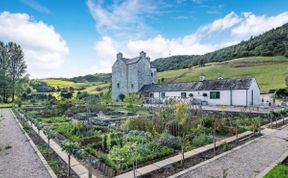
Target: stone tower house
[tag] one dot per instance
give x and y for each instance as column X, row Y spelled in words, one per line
column 130, row 75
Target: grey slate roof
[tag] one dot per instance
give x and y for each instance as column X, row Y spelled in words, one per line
column 131, row 61
column 219, row 84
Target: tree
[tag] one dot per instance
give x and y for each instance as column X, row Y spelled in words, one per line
column 50, row 134
column 216, row 125
column 12, row 70
column 132, row 101
column 71, row 149
column 182, row 116
column 106, row 97
column 39, row 127
column 256, row 124
column 17, row 65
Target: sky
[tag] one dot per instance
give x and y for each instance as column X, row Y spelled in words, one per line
column 67, row 38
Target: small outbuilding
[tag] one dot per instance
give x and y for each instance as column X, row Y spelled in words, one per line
column 234, row 91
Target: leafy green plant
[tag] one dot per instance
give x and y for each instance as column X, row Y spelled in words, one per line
column 226, row 147
column 170, row 141
column 201, row 140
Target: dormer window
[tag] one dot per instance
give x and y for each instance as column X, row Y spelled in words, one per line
column 118, row 85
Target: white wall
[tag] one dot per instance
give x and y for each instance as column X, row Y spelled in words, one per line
column 256, row 94
column 238, row 97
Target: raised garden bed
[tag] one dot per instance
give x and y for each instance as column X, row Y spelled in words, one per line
column 58, row 165
column 192, row 161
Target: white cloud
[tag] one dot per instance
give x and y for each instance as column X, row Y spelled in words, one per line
column 225, row 23
column 254, row 25
column 36, row 6
column 43, row 47
column 222, row 32
column 121, row 18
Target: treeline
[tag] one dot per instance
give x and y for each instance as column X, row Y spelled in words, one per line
column 271, row 43
column 12, row 71
column 89, row 78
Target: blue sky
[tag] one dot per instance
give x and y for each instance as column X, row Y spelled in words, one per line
column 70, row 38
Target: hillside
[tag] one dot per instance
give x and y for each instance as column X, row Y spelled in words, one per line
column 271, row 43
column 270, row 72
column 101, row 77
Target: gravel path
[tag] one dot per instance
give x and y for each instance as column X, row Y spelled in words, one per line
column 20, row 160
column 247, row 161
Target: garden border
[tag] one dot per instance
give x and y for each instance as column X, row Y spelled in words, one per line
column 171, row 160
column 77, row 167
column 45, row 163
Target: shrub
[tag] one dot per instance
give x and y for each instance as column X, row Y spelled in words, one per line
column 136, row 136
column 281, row 93
column 170, row 141
column 201, row 140
column 226, row 147
column 138, row 124
column 207, row 121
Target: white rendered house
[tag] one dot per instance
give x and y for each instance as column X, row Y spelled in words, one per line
column 234, row 92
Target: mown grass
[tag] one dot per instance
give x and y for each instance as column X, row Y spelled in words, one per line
column 279, row 171
column 270, row 72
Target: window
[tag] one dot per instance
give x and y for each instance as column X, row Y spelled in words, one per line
column 151, row 74
column 214, row 95
column 163, row 95
column 132, row 86
column 183, row 95
column 118, row 85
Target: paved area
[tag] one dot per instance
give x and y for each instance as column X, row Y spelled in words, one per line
column 17, row 157
column 247, row 161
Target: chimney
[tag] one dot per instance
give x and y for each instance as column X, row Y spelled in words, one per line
column 202, row 77
column 142, row 54
column 119, row 55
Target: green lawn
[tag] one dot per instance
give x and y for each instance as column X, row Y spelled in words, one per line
column 270, row 72
column 279, row 171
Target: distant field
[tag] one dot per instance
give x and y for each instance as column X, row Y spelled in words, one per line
column 270, row 72
column 65, row 84
column 97, row 89
column 90, row 87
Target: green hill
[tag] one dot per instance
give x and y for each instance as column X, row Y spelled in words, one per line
column 270, row 72
column 271, row 43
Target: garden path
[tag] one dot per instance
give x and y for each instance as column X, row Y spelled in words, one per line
column 246, row 161
column 17, row 157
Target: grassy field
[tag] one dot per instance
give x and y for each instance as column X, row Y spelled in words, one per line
column 65, row 84
column 270, row 72
column 97, row 89
column 279, row 171
column 90, row 87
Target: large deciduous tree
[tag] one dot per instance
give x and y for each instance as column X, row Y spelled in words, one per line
column 12, row 70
